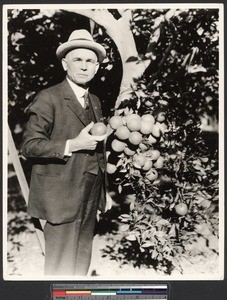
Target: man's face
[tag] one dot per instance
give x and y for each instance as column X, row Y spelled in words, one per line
column 81, row 65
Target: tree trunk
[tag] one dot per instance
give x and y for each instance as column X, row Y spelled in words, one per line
column 120, row 32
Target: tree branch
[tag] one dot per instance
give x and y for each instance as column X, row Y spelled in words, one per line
column 166, row 54
column 101, row 16
column 118, row 30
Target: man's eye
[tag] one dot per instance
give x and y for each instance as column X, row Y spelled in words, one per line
column 79, row 60
column 91, row 61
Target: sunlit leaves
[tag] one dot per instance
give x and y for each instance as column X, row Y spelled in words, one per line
column 182, row 80
column 185, row 84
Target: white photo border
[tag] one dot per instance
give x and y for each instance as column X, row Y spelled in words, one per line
column 219, row 6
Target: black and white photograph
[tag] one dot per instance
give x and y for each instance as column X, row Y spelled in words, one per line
column 113, row 142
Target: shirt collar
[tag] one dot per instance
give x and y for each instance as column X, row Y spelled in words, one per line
column 78, row 90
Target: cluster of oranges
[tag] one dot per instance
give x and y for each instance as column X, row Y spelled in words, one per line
column 134, row 138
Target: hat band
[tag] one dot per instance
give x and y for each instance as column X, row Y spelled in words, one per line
column 81, row 39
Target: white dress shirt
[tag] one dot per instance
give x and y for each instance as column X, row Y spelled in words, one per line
column 79, row 92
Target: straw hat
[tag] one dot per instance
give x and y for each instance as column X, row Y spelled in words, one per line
column 81, row 39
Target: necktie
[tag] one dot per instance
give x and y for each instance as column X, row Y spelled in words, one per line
column 86, row 100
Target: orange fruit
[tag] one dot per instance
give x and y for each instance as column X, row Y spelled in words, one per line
column 139, row 160
column 122, row 132
column 135, row 138
column 110, row 168
column 117, row 146
column 133, row 117
column 98, row 129
column 143, row 147
column 115, row 122
column 161, row 117
column 181, row 209
column 128, row 151
column 205, row 203
column 146, row 127
column 153, row 154
column 159, row 163
column 133, row 122
column 148, row 118
column 134, row 125
column 156, row 132
column 199, row 228
column 148, row 165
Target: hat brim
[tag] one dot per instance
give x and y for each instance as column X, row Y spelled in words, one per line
column 70, row 45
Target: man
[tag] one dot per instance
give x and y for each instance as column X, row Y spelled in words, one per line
column 67, row 182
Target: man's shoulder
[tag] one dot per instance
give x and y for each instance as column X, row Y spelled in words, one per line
column 52, row 89
column 94, row 97
column 47, row 97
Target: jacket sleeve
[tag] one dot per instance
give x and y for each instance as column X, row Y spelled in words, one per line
column 37, row 141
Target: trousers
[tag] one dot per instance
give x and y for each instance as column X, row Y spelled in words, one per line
column 68, row 246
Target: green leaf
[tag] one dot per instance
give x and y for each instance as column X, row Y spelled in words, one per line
column 204, row 159
column 160, row 257
column 162, row 222
column 147, row 244
column 142, row 249
column 154, row 254
column 125, row 216
column 124, row 227
column 160, row 234
column 131, row 237
column 119, row 163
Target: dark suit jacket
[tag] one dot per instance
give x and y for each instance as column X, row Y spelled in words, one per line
column 57, row 182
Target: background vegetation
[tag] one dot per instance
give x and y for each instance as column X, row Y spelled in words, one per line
column 181, row 83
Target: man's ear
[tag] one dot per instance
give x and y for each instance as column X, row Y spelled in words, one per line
column 64, row 64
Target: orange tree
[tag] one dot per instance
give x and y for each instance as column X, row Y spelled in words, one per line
column 161, row 80
column 158, row 152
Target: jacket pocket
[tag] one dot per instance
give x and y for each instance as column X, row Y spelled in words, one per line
column 48, row 196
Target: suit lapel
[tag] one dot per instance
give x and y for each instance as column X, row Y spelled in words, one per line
column 95, row 108
column 72, row 102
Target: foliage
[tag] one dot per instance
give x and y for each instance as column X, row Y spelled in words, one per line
column 32, row 63
column 182, row 82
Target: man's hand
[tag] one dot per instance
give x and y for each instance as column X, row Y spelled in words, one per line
column 85, row 141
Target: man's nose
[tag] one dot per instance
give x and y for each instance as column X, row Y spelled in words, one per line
column 83, row 65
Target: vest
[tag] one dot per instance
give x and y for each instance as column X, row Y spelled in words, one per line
column 96, row 157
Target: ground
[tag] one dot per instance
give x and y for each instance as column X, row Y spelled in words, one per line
column 25, row 258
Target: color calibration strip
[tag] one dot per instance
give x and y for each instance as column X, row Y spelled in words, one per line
column 104, row 292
